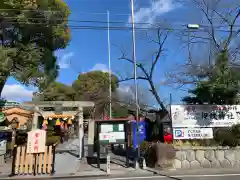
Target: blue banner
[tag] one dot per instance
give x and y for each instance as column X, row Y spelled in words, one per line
column 141, row 133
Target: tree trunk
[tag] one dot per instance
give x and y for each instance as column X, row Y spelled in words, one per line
column 154, row 92
column 3, row 81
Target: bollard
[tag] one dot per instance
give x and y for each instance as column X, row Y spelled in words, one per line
column 144, row 166
column 136, row 164
column 142, row 163
column 108, row 164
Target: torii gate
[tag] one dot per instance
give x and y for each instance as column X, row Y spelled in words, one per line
column 58, row 105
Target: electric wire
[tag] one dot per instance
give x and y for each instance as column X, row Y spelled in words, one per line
column 97, row 27
column 113, row 22
column 94, row 21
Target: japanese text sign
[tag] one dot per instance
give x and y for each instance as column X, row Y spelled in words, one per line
column 36, row 141
column 190, row 116
column 193, row 133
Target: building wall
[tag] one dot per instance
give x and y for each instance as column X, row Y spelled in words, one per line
column 22, row 119
column 207, row 157
column 21, row 114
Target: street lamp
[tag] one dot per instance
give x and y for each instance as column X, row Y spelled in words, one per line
column 135, row 83
column 193, row 26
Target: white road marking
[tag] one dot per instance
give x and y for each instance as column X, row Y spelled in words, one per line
column 175, row 176
column 206, row 175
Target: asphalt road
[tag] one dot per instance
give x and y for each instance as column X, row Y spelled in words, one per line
column 185, row 175
column 177, row 177
column 200, row 174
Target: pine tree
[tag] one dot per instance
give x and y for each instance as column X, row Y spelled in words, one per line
column 220, row 86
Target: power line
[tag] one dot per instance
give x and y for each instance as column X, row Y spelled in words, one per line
column 115, row 27
column 116, row 22
column 92, row 27
column 97, row 13
column 113, row 22
column 217, row 27
column 77, row 12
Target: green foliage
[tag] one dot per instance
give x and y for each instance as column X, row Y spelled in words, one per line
column 228, row 136
column 195, row 142
column 144, row 146
column 94, row 86
column 91, row 86
column 150, row 157
column 31, row 30
column 236, row 131
column 52, row 137
column 57, row 92
column 119, row 111
column 21, row 138
column 52, row 140
column 220, row 86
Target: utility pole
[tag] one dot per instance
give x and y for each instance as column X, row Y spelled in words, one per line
column 110, row 90
column 109, row 69
column 135, row 82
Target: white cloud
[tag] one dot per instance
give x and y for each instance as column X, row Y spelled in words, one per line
column 65, row 61
column 100, row 67
column 125, row 89
column 16, row 92
column 156, row 8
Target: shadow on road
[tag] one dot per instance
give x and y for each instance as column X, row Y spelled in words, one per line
column 167, row 176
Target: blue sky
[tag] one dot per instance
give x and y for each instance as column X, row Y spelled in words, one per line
column 88, row 48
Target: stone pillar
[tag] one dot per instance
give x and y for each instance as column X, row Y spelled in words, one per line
column 80, row 132
column 2, row 159
column 35, row 121
column 91, row 133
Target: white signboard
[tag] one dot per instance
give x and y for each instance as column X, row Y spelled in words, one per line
column 3, row 147
column 106, row 128
column 205, row 115
column 111, row 136
column 36, row 141
column 107, row 137
column 192, row 133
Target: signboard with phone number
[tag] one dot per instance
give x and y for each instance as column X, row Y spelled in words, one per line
column 192, row 133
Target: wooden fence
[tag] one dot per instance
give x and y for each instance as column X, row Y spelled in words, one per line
column 33, row 164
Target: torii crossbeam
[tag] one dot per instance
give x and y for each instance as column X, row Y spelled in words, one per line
column 75, row 104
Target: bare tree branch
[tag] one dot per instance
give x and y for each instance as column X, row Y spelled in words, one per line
column 147, row 75
column 231, row 34
column 131, row 78
column 160, row 42
column 206, row 13
column 218, row 16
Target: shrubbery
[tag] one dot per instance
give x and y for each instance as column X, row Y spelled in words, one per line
column 229, row 136
column 52, row 138
column 157, row 153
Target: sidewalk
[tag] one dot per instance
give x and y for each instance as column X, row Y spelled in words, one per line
column 201, row 171
column 87, row 174
column 80, row 169
column 5, row 169
column 135, row 173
